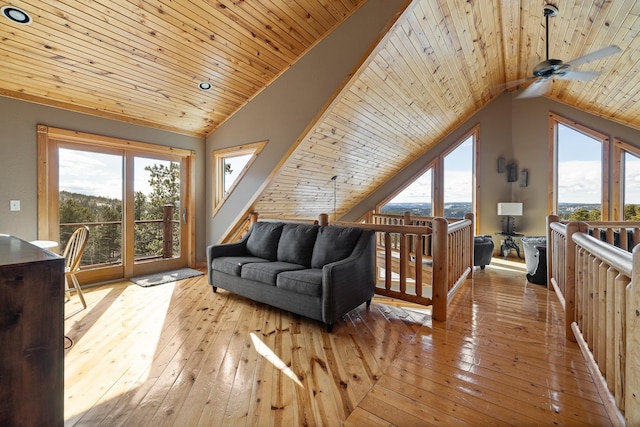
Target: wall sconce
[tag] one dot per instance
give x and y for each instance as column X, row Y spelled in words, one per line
column 512, row 172
column 524, row 178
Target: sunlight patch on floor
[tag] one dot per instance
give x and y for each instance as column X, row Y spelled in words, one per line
column 127, row 359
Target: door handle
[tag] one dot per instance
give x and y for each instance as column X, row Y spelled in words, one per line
column 184, row 216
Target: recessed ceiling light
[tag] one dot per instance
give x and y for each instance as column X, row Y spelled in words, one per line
column 16, row 15
column 205, row 85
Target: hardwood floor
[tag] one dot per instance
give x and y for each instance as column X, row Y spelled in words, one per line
column 179, row 355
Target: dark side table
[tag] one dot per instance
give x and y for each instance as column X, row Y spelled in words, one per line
column 509, row 244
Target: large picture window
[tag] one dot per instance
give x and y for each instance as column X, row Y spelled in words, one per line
column 579, row 182
column 135, row 198
column 625, row 200
column 445, row 187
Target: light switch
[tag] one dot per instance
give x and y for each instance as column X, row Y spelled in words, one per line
column 14, row 205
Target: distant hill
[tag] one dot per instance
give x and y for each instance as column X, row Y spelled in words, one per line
column 459, row 209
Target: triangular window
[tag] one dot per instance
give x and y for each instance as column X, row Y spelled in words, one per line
column 230, row 165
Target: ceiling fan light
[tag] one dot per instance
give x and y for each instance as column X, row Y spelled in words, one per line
column 550, row 10
column 16, row 15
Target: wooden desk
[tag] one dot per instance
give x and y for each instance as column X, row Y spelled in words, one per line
column 31, row 335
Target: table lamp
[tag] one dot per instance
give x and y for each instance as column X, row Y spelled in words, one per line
column 509, row 210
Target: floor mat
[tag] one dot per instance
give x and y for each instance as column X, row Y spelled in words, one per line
column 165, row 277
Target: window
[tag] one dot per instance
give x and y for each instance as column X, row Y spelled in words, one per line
column 446, row 187
column 625, row 201
column 579, row 183
column 135, row 197
column 458, row 170
column 416, row 197
column 229, row 166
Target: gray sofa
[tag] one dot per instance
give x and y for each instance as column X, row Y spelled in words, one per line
column 318, row 272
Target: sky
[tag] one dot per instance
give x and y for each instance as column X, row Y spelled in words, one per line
column 457, row 179
column 579, row 167
column 99, row 174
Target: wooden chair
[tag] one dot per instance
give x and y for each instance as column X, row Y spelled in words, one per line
column 72, row 256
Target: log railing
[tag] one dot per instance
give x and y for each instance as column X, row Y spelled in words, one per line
column 600, row 286
column 418, row 256
column 428, row 276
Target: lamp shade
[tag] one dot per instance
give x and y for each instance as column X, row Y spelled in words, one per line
column 510, row 209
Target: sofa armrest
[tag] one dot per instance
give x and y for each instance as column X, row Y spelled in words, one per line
column 349, row 282
column 226, row 249
column 238, row 248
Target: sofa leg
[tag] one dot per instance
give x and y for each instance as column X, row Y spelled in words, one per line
column 214, row 288
column 368, row 303
column 329, row 327
column 482, row 267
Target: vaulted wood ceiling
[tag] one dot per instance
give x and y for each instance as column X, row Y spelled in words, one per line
column 441, row 62
column 140, row 61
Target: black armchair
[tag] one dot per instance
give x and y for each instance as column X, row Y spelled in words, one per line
column 482, row 250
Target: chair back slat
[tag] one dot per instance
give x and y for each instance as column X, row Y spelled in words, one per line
column 75, row 247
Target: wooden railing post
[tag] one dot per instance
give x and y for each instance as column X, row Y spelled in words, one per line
column 472, row 233
column 570, row 277
column 440, row 269
column 253, row 218
column 632, row 374
column 406, row 217
column 550, row 219
column 167, row 231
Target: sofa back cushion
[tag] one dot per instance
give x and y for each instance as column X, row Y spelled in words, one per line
column 263, row 240
column 296, row 243
column 333, row 244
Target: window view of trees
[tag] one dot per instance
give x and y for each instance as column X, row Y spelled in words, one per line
column 156, row 186
column 162, row 178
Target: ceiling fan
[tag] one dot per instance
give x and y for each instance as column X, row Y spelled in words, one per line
column 549, row 69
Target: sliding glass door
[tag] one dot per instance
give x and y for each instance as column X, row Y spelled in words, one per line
column 134, row 200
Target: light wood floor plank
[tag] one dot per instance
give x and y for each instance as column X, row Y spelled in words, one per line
column 180, row 355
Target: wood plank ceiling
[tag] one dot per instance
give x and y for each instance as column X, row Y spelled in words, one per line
column 141, row 61
column 439, row 64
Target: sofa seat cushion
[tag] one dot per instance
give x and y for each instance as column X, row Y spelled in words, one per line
column 334, row 244
column 263, row 240
column 233, row 264
column 296, row 243
column 267, row 272
column 307, row 282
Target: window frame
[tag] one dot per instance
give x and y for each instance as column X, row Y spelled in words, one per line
column 407, row 183
column 552, row 200
column 217, row 162
column 620, row 148
column 49, row 139
column 437, row 181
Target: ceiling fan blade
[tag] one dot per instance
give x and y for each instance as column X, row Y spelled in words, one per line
column 499, row 88
column 595, row 55
column 537, row 88
column 581, row 76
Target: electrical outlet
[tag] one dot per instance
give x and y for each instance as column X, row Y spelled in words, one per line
column 14, row 205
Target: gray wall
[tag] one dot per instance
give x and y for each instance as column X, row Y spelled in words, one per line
column 281, row 112
column 19, row 166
